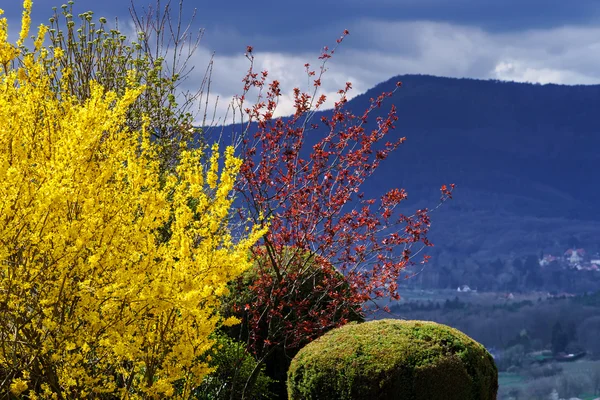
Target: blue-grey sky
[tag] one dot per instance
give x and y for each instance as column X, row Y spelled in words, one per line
column 544, row 41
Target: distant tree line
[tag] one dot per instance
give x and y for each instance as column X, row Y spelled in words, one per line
column 522, row 274
column 559, row 324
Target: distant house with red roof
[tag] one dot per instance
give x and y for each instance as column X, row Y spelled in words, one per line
column 574, row 256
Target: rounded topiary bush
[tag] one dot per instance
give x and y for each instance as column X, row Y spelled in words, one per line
column 393, row 359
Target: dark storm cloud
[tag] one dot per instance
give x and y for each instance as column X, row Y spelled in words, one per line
column 307, row 25
column 522, row 40
column 292, row 26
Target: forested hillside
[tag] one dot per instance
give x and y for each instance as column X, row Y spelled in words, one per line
column 525, row 159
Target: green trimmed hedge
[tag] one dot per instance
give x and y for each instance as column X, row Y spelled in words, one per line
column 393, row 359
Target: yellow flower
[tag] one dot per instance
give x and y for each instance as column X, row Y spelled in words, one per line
column 18, row 386
column 25, row 21
column 85, row 260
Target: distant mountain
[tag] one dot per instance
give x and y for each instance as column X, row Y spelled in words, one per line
column 534, row 142
column 525, row 159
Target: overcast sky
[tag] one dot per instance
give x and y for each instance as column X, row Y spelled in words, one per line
column 544, row 41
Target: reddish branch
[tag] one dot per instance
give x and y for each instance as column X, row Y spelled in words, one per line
column 329, row 250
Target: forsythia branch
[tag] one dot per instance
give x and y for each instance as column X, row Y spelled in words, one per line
column 94, row 300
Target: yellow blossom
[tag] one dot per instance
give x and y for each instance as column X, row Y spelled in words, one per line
column 25, row 21
column 109, row 270
column 18, row 386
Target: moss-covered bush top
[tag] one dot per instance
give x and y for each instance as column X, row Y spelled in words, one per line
column 393, row 359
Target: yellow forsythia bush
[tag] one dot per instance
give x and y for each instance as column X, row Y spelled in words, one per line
column 110, row 273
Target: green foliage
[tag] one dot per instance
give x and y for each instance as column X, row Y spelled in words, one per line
column 393, row 359
column 297, row 264
column 95, row 51
column 233, row 366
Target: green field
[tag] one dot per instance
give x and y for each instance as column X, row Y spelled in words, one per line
column 510, row 380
